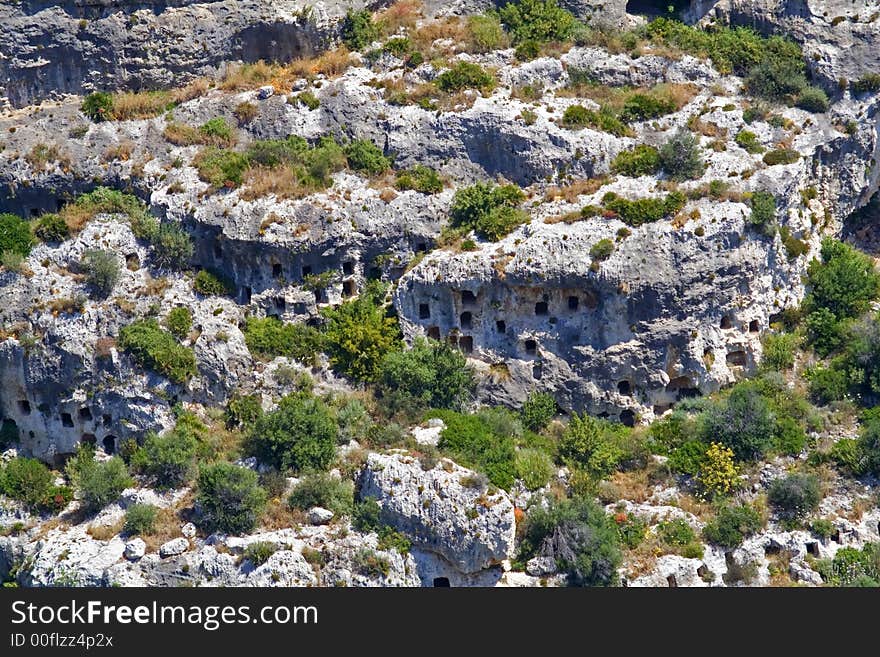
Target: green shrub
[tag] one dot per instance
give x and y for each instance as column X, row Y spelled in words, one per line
column 676, row 532
column 644, row 106
column 602, row 250
column 98, row 106
column 844, row 281
column 26, row 480
column 358, row 29
column 472, row 205
column 869, row 82
column 51, row 228
column 689, row 457
column 230, row 498
column 366, row 516
column 631, row 530
column 269, row 337
column 743, row 422
column 534, row 467
column 221, row 167
column 471, row 441
column 156, row 349
column 101, row 269
column 172, row 247
column 748, row 140
column 780, row 350
column 359, row 334
column 680, row 157
column 852, row 567
column 777, row 79
column 578, row 116
column 218, row 130
column 98, row 484
column 212, row 284
column 168, row 461
column 465, row 75
column 486, row 33
column 591, row 445
column 421, row 179
column 259, row 552
column 576, row 533
column 644, row 210
column 364, row 156
column 537, row 410
column 827, row 384
column 813, row 99
column 537, row 20
column 243, row 411
column 140, row 519
column 324, row 490
column 370, row 564
column 643, row 160
column 15, row 235
column 822, row 528
column 110, row 201
column 763, row 205
column 308, row 99
column 430, row 375
column 781, row 156
column 795, row 495
column 299, row 435
column 732, row 525
column 179, row 322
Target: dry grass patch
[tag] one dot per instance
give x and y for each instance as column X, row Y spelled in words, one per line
column 105, row 532
column 121, row 151
column 572, row 191
column 166, row 528
column 242, row 77
column 279, row 515
column 129, row 106
column 402, row 14
column 280, row 181
column 42, row 154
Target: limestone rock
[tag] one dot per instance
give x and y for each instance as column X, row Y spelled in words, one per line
column 174, row 547
column 320, row 516
column 135, row 549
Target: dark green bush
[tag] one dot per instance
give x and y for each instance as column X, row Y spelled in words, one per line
column 98, row 484
column 179, row 321
column 732, row 525
column 602, row 250
column 140, row 519
column 299, row 435
column 172, row 247
column 813, row 99
column 781, row 156
column 852, row 567
column 169, row 460
column 537, row 20
column 358, row 29
column 471, row 441
column 51, row 228
column 243, row 411
column 157, row 350
column 827, row 384
column 592, row 445
column 259, row 552
column 430, row 375
column 644, row 210
column 420, row 178
column 676, row 532
column 324, row 490
column 364, row 156
column 644, row 106
column 98, row 106
column 471, row 204
column 795, row 495
column 212, row 284
column 578, row 535
column 680, row 157
column 230, row 498
column 537, row 410
column 748, row 140
column 26, row 480
column 743, row 422
column 578, row 116
column 221, row 167
column 101, row 269
column 15, row 235
column 777, row 79
column 269, row 337
column 844, row 281
column 643, row 160
column 534, row 467
column 763, row 215
column 465, row 75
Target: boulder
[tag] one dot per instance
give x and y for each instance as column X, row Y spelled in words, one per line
column 174, row 547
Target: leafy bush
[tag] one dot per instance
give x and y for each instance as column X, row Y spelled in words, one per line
column 780, row 350
column 763, row 206
column 212, row 284
column 781, row 156
column 795, row 495
column 259, row 552
column 421, row 179
column 156, row 349
column 243, row 410
column 643, row 160
column 98, row 484
column 308, row 99
column 631, row 529
column 15, row 235
column 853, row 567
column 51, row 228
column 471, row 441
column 844, row 281
column 537, row 20
column 602, row 250
column 869, row 82
column 101, row 269
column 534, row 467
column 364, row 156
column 487, row 33
column 430, row 375
column 359, row 334
column 718, row 473
column 140, row 519
column 98, row 106
column 218, row 130
column 323, row 490
column 676, row 532
column 732, row 525
column 592, row 445
column 644, row 210
column 179, row 321
column 644, row 106
column 578, row 116
column 777, row 80
column 537, row 410
column 465, row 75
column 680, row 157
column 743, row 422
column 230, row 498
column 26, row 480
column 221, row 167
column 827, row 384
column 269, row 337
column 167, row 460
column 578, row 535
column 472, row 206
column 300, row 434
column 172, row 247
column 748, row 140
column 813, row 99
column 358, row 29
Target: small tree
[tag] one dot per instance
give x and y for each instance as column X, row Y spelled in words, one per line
column 26, row 480
column 101, row 269
column 230, row 498
column 586, row 443
column 795, row 495
column 140, row 519
column 98, row 484
column 324, row 490
column 680, row 157
column 168, row 460
column 744, row 423
column 358, row 29
column 537, row 410
column 300, row 434
column 732, row 525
